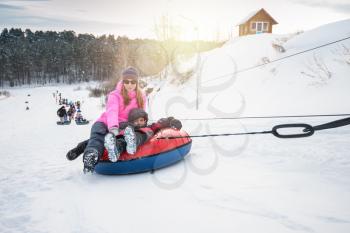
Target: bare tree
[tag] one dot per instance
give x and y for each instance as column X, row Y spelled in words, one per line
column 165, row 29
column 318, row 71
column 343, row 54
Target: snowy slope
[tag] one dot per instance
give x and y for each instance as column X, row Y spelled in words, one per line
column 226, row 184
column 292, row 86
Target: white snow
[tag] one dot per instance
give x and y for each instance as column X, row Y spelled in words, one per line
column 226, row 184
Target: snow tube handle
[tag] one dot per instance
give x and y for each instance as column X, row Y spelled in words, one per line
column 307, row 131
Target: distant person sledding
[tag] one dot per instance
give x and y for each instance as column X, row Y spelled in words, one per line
column 71, row 112
column 79, row 119
column 62, row 114
column 77, row 104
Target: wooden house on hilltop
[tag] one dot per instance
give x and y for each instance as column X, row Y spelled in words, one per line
column 256, row 22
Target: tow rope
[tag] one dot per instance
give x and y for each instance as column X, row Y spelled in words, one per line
column 307, row 130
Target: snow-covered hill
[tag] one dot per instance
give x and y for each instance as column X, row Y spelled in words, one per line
column 297, row 85
column 226, row 184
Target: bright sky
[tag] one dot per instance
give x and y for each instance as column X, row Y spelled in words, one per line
column 136, row 18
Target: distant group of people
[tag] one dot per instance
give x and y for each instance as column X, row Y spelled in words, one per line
column 64, row 101
column 73, row 112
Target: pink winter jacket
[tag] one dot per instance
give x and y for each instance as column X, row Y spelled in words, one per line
column 116, row 111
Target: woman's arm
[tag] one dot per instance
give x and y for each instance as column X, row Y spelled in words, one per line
column 144, row 102
column 112, row 111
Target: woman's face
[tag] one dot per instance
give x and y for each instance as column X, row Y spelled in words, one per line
column 129, row 84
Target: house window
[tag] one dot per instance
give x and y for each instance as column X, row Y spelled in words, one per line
column 259, row 27
column 266, row 25
column 253, row 26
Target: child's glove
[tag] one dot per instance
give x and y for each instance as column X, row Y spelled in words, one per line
column 114, row 131
column 165, row 122
column 175, row 123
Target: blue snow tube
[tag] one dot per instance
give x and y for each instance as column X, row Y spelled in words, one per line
column 155, row 154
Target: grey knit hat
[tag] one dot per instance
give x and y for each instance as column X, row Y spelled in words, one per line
column 136, row 113
column 130, row 72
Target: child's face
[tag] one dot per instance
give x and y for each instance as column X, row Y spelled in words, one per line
column 140, row 122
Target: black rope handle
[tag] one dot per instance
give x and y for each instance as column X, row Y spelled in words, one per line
column 307, row 131
column 332, row 124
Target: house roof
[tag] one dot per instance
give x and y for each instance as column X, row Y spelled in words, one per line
column 252, row 14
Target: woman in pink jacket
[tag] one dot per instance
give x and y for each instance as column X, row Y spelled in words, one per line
column 125, row 97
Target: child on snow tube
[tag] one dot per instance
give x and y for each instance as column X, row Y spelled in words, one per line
column 134, row 133
column 62, row 114
column 137, row 133
column 71, row 112
column 79, row 117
